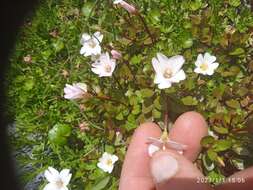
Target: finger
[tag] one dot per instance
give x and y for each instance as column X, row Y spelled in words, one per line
column 135, row 173
column 239, row 180
column 189, row 129
column 171, row 170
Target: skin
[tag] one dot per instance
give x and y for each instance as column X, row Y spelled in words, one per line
column 188, row 129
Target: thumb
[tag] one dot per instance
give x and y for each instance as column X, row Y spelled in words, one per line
column 171, row 170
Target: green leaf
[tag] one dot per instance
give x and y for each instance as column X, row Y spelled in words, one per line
column 195, row 5
column 188, row 43
column 234, row 3
column 207, row 141
column 58, row 46
column 189, row 101
column 222, row 145
column 154, row 15
column 220, row 130
column 212, row 154
column 87, row 8
column 59, row 133
column 237, row 51
column 209, row 165
column 102, row 183
column 29, row 84
column 233, row 103
column 147, row 93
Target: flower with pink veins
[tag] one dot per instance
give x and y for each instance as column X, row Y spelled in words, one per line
column 104, row 65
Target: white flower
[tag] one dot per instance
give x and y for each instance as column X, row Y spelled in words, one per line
column 91, row 44
column 206, row 64
column 130, row 8
column 57, row 181
column 104, row 65
column 163, row 143
column 75, row 91
column 168, row 70
column 106, row 162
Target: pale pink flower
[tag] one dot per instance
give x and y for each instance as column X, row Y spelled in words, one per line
column 104, row 66
column 57, row 180
column 116, row 54
column 75, row 91
column 168, row 70
column 130, row 8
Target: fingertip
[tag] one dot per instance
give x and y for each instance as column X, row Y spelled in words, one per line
column 146, row 129
column 189, row 129
column 135, row 171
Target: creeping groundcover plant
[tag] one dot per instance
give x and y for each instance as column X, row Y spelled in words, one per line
column 85, row 74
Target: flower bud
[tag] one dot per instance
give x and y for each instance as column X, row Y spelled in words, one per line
column 130, row 8
column 116, row 54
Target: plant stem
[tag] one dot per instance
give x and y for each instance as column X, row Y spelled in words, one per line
column 166, row 115
column 146, row 27
column 115, row 78
column 110, row 99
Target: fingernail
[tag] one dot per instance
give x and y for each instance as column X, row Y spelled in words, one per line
column 163, row 167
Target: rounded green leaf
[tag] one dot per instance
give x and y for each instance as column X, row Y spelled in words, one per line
column 59, row 133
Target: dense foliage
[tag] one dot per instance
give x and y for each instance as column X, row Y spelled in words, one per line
column 74, row 134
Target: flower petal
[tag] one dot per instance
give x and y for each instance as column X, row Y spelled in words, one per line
column 210, row 72
column 156, row 65
column 114, row 158
column 117, row 1
column 176, row 62
column 63, row 188
column 51, row 174
column 152, row 149
column 98, row 36
column 82, row 50
column 209, row 58
column 214, row 65
column 65, row 176
column 164, row 85
column 82, row 86
column 158, row 79
column 85, row 37
column 198, row 70
column 178, row 77
column 162, row 58
column 200, row 60
column 50, row 186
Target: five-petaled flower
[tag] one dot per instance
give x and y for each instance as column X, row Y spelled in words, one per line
column 75, row 91
column 104, row 65
column 91, row 44
column 130, row 8
column 57, row 180
column 163, row 143
column 106, row 162
column 206, row 64
column 168, row 70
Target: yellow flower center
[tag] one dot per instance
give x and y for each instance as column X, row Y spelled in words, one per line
column 204, row 66
column 59, row 183
column 108, row 68
column 167, row 73
column 92, row 44
column 109, row 162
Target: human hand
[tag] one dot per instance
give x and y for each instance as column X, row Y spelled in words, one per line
column 168, row 169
